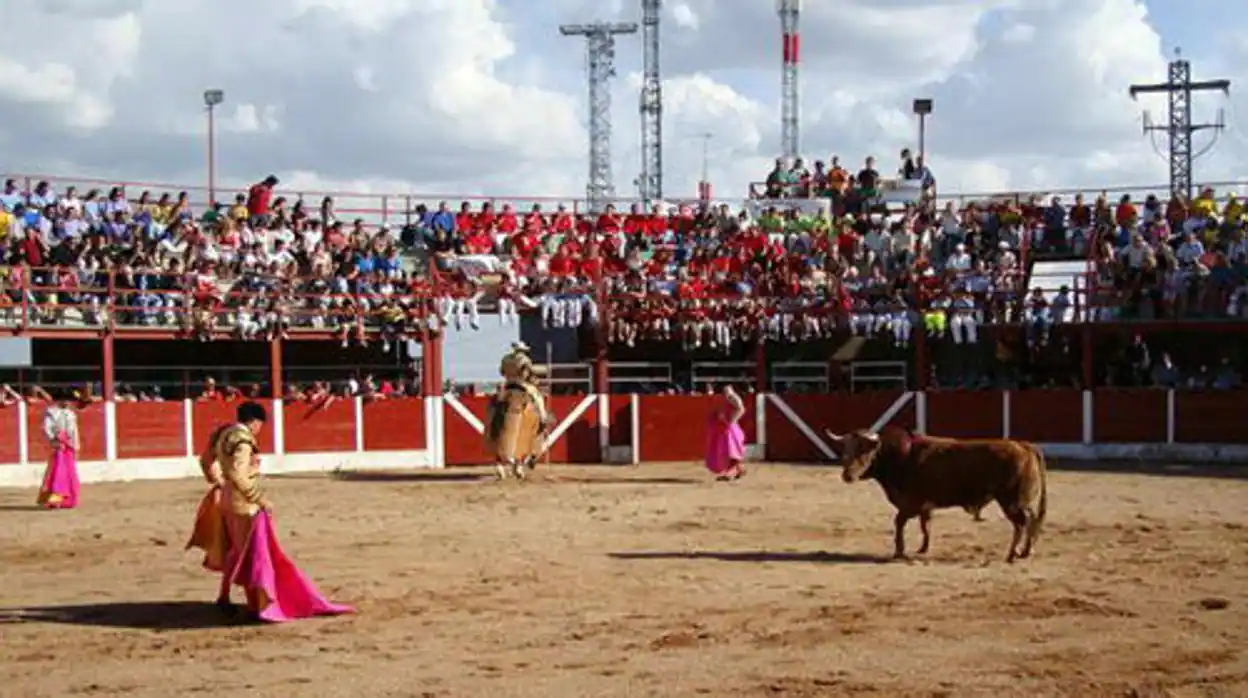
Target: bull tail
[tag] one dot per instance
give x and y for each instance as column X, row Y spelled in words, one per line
column 1042, row 506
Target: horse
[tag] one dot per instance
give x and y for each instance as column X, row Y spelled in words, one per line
column 514, row 434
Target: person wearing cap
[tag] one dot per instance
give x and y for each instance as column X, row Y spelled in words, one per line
column 519, row 370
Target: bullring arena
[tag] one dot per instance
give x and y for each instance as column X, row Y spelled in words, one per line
column 643, row 577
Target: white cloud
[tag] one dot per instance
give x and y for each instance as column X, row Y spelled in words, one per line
column 685, row 17
column 482, row 96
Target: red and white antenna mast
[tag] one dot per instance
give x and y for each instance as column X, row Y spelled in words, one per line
column 790, row 93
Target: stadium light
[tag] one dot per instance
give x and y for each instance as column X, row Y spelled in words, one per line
column 212, row 98
column 922, row 109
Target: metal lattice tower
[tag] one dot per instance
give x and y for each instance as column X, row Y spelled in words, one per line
column 651, row 105
column 790, row 93
column 600, row 50
column 1179, row 87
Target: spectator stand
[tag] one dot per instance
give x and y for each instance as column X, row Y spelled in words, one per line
column 89, row 309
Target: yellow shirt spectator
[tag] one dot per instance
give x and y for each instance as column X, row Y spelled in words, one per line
column 1204, row 206
column 6, row 224
column 1233, row 212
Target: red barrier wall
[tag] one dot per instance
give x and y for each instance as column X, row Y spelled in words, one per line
column 208, row 415
column 151, row 429
column 90, row 428
column 1210, row 417
column 464, row 444
column 965, row 414
column 1046, row 416
column 10, row 432
column 1129, row 416
column 621, row 429
column 673, row 427
column 579, row 443
column 394, row 425
column 323, row 428
column 838, row 412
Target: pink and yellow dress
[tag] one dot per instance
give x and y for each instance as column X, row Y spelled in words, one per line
column 60, row 480
column 725, row 440
column 239, row 538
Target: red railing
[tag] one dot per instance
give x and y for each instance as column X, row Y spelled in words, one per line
column 374, row 208
column 49, row 306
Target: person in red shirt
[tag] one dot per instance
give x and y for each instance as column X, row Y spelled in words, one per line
column 259, row 199
column 487, row 218
column 508, row 224
column 635, row 222
column 479, row 242
column 562, row 221
column 526, row 243
column 1125, row 215
column 609, row 223
column 656, row 223
column 465, row 220
column 561, row 264
column 210, row 392
column 591, row 266
column 534, row 221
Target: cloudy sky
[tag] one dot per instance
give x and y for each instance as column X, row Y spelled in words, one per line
column 484, row 96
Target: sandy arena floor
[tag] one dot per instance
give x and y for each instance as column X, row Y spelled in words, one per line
column 640, row 582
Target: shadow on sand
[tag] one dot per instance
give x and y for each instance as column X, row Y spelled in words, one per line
column 565, row 480
column 759, row 556
column 22, row 507
column 158, row 615
column 428, row 475
column 1217, row 471
column 1220, row 471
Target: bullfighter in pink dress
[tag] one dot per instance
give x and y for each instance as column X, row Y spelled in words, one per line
column 725, row 440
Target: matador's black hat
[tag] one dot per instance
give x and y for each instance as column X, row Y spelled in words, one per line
column 251, row 412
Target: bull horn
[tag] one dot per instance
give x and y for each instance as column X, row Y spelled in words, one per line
column 871, row 436
column 833, row 437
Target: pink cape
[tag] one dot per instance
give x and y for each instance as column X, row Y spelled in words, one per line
column 725, row 444
column 285, row 593
column 60, row 480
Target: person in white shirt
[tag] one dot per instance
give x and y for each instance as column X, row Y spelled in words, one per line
column 1237, row 252
column 1037, row 318
column 963, row 319
column 1138, row 255
column 902, row 243
column 71, row 202
column 902, row 321
column 950, row 222
column 1190, row 251
column 960, row 260
column 1060, row 309
column 861, row 321
column 878, row 242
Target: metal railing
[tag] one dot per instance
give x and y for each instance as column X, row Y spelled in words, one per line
column 787, row 376
column 53, row 299
column 177, row 382
column 718, row 373
column 399, row 208
column 870, row 374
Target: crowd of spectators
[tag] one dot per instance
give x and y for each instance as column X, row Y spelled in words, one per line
column 704, row 274
column 1177, row 259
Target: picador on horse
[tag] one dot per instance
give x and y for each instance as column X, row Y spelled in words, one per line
column 518, row 419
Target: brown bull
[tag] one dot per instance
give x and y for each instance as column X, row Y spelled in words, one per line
column 920, row 474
